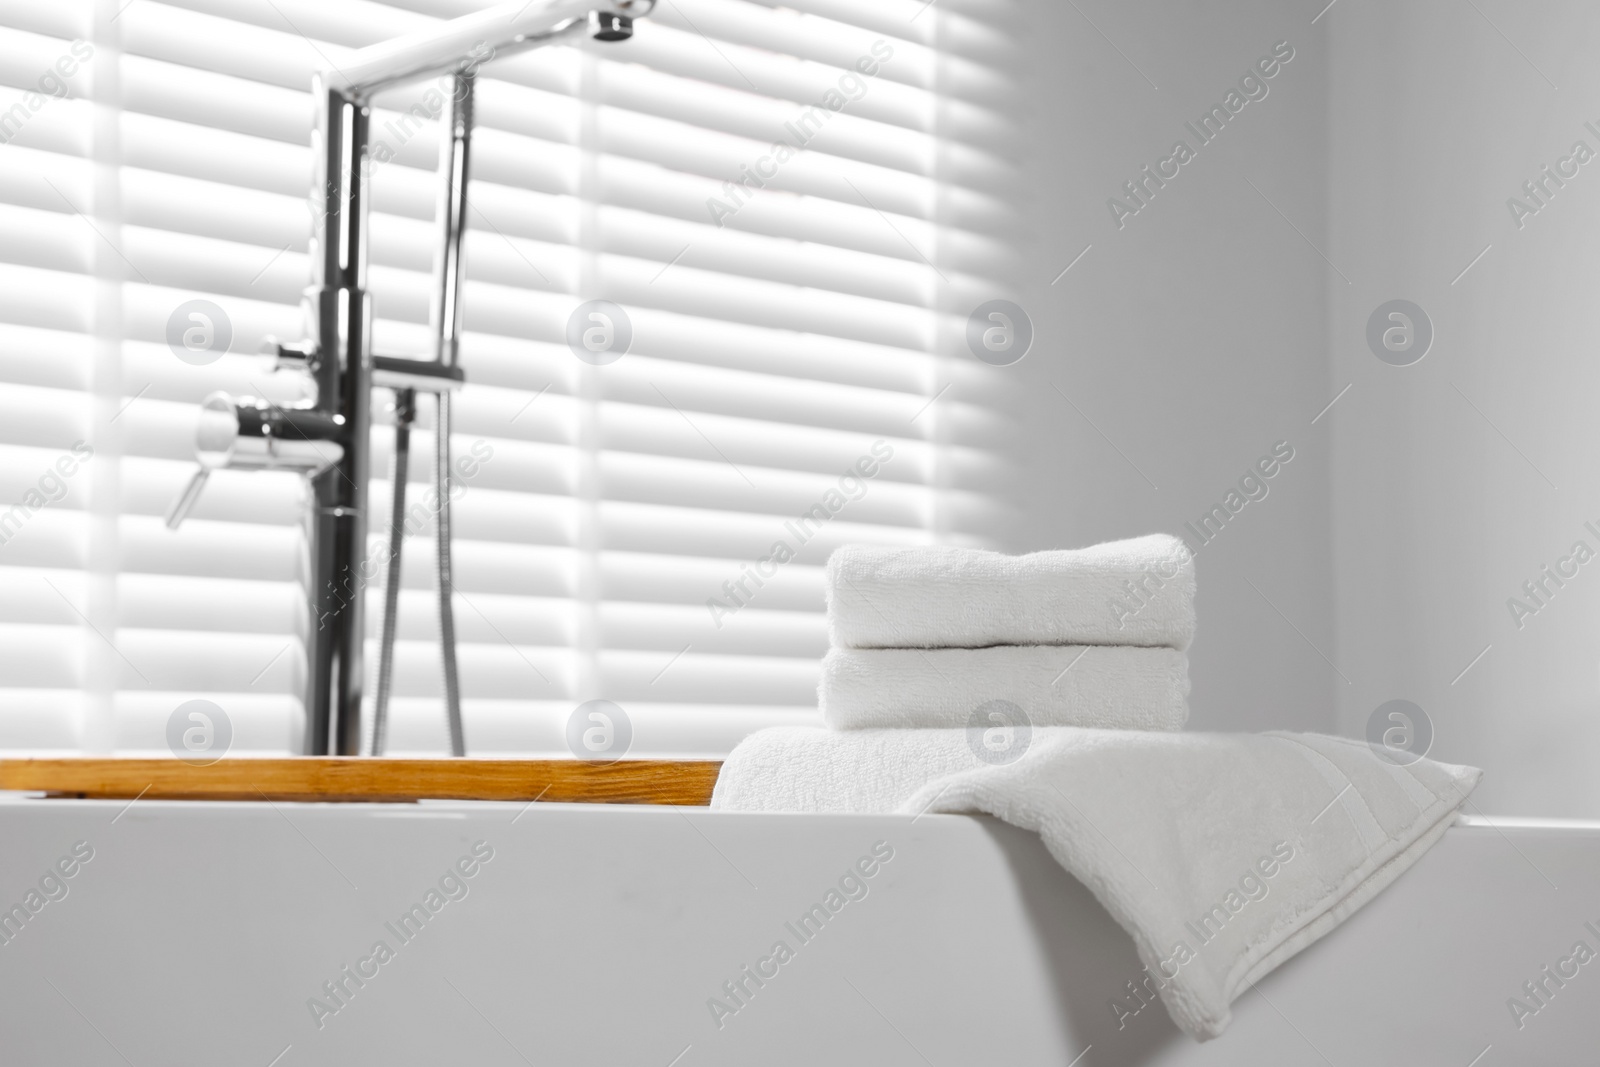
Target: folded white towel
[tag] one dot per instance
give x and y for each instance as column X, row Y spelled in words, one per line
column 1113, row 686
column 804, row 768
column 1135, row 592
column 1223, row 855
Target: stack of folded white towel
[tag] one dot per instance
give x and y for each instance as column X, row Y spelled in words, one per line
column 936, row 649
column 925, row 637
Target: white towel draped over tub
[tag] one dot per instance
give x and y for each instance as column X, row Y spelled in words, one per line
column 1222, row 855
column 1134, row 592
column 1110, row 686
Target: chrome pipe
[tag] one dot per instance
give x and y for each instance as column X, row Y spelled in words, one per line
column 455, row 142
column 470, row 39
column 341, row 367
column 454, row 158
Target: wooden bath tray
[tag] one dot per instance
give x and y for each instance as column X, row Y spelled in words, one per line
column 314, row 778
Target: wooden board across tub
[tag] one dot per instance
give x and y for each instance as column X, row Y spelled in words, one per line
column 342, row 778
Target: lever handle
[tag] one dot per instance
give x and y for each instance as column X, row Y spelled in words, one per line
column 186, row 500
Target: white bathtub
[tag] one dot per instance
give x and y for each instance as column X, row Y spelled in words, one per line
column 198, row 932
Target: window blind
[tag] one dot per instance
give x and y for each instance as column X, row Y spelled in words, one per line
column 796, row 208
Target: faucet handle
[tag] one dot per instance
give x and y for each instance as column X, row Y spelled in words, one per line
column 244, row 433
column 186, row 500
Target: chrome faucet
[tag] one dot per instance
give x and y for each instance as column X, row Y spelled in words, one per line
column 327, row 438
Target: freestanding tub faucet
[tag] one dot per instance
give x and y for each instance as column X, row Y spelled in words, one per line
column 328, row 438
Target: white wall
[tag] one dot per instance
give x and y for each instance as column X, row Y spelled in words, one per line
column 1456, row 479
column 1194, row 337
column 1207, row 329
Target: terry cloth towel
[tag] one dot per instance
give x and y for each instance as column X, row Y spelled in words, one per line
column 1222, row 855
column 1135, row 592
column 1112, row 686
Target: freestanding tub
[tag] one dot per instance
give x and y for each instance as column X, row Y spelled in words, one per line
column 239, row 933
